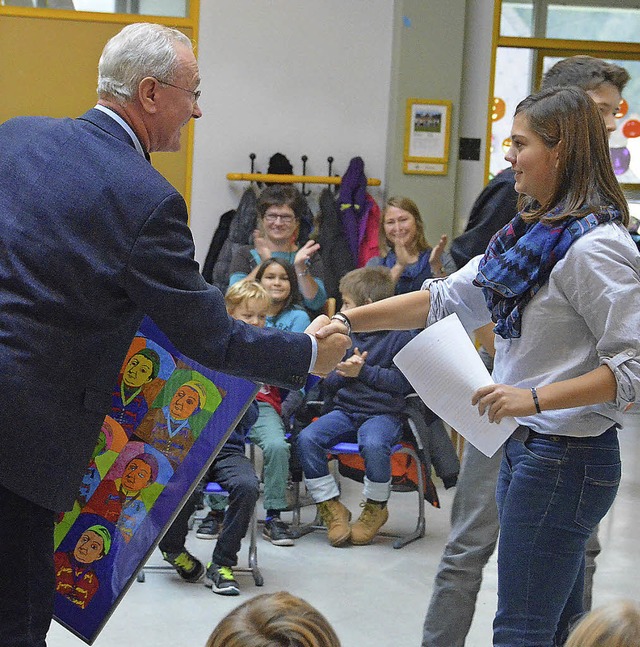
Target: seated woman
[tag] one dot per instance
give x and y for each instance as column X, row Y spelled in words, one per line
column 279, row 213
column 404, row 248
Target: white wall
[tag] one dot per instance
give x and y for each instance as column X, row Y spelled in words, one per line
column 301, row 78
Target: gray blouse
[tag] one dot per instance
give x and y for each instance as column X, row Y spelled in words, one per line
column 587, row 314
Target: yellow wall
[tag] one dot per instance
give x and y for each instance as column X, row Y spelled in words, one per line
column 50, row 67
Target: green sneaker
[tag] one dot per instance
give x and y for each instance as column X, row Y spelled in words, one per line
column 188, row 567
column 220, row 579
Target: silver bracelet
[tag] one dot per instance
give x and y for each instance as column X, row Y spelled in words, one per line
column 534, row 395
column 342, row 318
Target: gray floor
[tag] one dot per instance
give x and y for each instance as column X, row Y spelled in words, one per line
column 373, row 595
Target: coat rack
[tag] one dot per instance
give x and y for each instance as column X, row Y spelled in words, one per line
column 303, row 179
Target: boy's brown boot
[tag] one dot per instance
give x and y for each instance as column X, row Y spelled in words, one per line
column 336, row 518
column 372, row 518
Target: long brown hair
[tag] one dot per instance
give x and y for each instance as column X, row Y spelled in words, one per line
column 408, row 205
column 569, row 118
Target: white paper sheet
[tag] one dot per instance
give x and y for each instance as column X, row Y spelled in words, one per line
column 445, row 370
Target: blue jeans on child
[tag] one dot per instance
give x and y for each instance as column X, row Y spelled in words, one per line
column 552, row 492
column 375, row 435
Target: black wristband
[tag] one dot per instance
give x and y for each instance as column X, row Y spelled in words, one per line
column 534, row 394
column 340, row 316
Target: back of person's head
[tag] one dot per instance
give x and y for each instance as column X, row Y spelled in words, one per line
column 569, row 119
column 243, row 291
column 367, row 284
column 584, row 72
column 616, row 624
column 408, row 205
column 137, row 51
column 274, row 620
column 277, row 195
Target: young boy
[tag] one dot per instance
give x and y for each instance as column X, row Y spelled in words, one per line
column 366, row 393
column 246, row 303
column 249, row 302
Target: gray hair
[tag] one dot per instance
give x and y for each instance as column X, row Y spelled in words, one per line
column 137, row 51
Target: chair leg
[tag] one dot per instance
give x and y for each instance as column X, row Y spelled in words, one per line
column 420, row 525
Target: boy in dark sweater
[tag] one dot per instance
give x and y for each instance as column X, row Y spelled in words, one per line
column 366, row 394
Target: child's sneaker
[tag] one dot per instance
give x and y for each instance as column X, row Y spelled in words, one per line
column 220, row 579
column 210, row 526
column 372, row 518
column 277, row 532
column 188, row 567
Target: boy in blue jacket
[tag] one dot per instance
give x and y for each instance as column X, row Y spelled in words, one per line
column 366, row 394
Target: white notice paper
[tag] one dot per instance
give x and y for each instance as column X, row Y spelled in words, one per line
column 445, row 370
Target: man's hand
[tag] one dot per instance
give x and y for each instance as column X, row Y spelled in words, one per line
column 331, row 346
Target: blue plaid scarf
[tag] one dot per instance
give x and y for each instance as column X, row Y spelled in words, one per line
column 519, row 260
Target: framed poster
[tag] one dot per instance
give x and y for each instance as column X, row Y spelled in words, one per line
column 169, row 417
column 426, row 136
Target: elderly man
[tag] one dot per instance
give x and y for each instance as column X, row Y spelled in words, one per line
column 93, row 238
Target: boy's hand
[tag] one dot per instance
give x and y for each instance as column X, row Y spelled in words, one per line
column 352, row 366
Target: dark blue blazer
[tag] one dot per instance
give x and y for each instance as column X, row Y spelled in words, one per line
column 92, row 237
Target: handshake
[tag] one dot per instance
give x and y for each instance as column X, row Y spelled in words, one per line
column 333, row 342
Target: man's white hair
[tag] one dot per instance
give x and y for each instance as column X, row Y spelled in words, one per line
column 137, row 51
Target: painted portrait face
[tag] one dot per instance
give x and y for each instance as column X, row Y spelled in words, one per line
column 184, row 402
column 138, row 371
column 136, row 475
column 89, row 548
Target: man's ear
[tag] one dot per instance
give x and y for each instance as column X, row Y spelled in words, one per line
column 147, row 90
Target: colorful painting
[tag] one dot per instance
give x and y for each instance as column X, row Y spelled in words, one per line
column 169, row 417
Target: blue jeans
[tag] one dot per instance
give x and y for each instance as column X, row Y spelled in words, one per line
column 375, row 435
column 27, row 576
column 552, row 492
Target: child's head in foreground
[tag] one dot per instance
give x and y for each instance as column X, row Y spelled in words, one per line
column 616, row 624
column 365, row 285
column 248, row 301
column 274, row 620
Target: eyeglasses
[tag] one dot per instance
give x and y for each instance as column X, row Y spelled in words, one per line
column 286, row 218
column 195, row 93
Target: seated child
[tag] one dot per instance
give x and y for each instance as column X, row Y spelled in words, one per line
column 249, row 302
column 278, row 278
column 367, row 393
column 232, row 469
